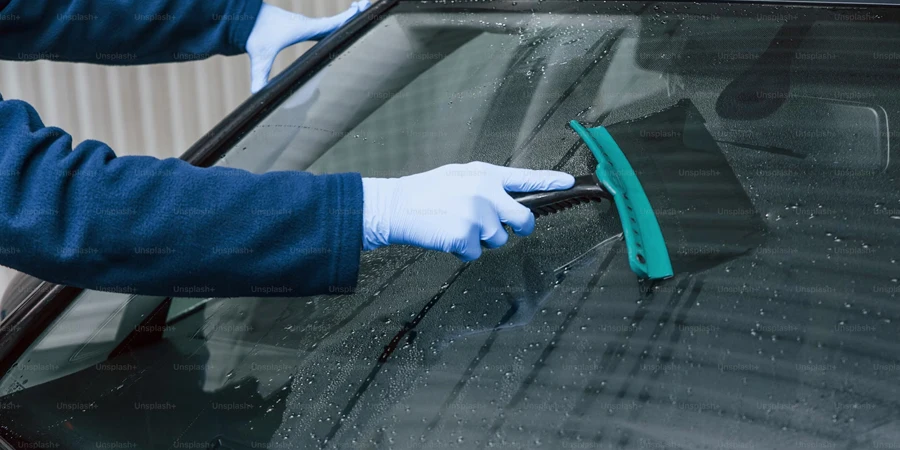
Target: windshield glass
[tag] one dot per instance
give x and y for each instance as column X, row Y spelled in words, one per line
column 784, row 339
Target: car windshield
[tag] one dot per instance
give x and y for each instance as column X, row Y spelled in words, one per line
column 550, row 341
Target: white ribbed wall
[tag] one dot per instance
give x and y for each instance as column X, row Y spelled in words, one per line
column 157, row 110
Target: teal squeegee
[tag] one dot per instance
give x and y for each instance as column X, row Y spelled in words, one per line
column 613, row 179
column 647, row 253
column 653, row 168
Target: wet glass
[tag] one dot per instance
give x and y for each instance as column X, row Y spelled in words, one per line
column 550, row 341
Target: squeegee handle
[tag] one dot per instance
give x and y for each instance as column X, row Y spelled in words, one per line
column 586, row 190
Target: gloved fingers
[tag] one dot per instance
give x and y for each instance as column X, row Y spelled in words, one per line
column 467, row 247
column 277, row 29
column 323, row 26
column 514, row 214
column 527, row 180
column 260, row 67
column 492, row 233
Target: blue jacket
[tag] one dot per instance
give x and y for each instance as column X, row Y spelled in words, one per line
column 84, row 217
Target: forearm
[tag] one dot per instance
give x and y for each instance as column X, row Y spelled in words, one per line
column 124, row 32
column 87, row 218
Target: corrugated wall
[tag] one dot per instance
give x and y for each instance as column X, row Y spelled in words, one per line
column 157, row 110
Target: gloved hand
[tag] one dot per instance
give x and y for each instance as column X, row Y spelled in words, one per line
column 276, row 29
column 453, row 208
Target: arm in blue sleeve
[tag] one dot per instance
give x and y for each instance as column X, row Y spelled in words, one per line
column 134, row 224
column 124, row 32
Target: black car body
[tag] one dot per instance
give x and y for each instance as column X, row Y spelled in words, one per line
column 549, row 342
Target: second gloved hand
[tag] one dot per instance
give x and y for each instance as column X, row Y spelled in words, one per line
column 275, row 29
column 453, row 208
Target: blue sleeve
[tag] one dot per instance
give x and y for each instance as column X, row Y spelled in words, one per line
column 124, row 32
column 134, row 224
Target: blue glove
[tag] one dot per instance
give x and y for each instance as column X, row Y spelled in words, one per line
column 453, row 208
column 276, row 29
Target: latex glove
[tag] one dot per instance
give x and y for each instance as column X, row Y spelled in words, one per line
column 453, row 208
column 276, row 29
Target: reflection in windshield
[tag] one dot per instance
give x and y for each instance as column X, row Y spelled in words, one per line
column 550, row 342
column 538, row 288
